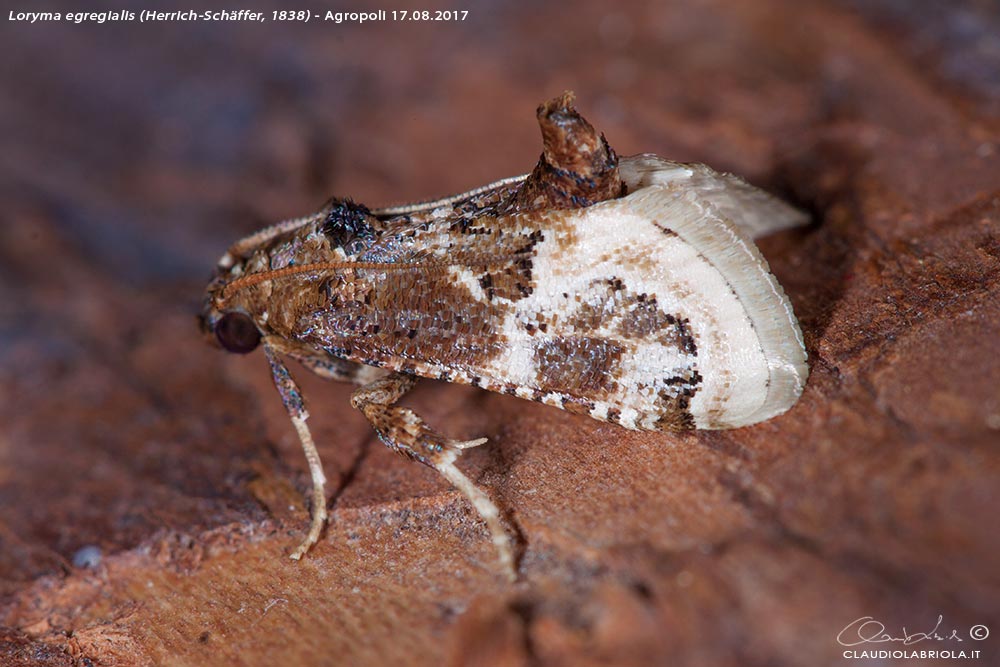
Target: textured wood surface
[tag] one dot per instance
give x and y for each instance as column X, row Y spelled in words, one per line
column 133, row 154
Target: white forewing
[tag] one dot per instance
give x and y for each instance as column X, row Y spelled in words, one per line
column 744, row 309
column 681, row 237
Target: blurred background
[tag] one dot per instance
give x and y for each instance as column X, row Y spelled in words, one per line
column 150, row 485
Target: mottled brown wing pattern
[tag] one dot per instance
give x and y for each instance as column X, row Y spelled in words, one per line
column 606, row 311
column 628, row 290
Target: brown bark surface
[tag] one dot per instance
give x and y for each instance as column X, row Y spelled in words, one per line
column 133, row 154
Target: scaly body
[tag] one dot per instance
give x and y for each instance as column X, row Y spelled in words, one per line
column 627, row 290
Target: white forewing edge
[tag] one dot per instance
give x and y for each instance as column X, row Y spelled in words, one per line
column 753, row 210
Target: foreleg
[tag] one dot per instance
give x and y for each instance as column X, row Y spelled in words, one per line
column 292, row 398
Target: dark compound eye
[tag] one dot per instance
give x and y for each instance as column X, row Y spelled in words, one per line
column 237, row 333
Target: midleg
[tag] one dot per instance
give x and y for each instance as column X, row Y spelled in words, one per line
column 405, row 432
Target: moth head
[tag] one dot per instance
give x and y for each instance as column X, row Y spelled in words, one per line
column 236, row 332
column 226, row 322
column 232, row 329
column 234, row 313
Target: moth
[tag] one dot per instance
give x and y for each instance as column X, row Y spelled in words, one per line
column 627, row 289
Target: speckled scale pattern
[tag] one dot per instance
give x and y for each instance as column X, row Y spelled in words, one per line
column 627, row 289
